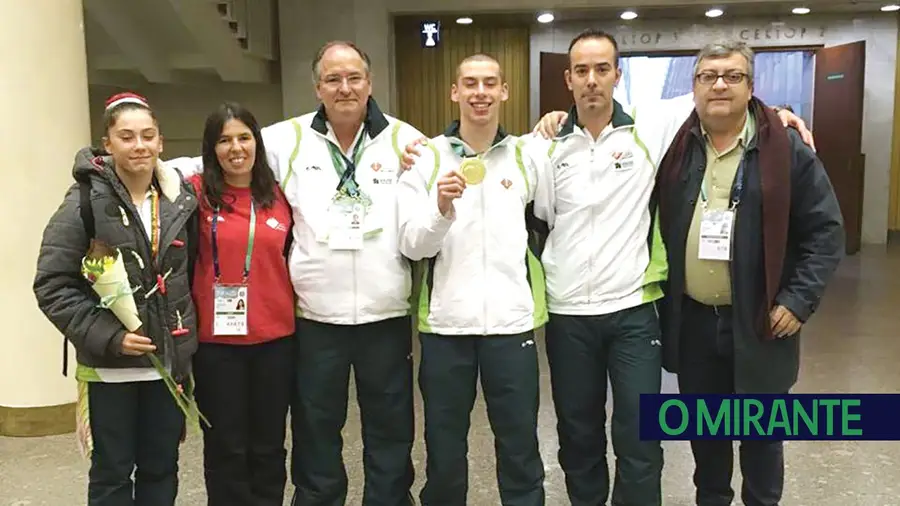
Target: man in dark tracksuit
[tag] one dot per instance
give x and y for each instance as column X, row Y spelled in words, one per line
column 754, row 233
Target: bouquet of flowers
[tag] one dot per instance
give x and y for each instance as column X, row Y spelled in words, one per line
column 104, row 269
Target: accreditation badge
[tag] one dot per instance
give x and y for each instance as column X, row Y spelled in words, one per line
column 347, row 217
column 230, row 310
column 715, row 235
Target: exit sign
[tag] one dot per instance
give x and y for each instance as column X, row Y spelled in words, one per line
column 430, row 33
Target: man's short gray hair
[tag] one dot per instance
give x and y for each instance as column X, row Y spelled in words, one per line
column 724, row 50
column 367, row 63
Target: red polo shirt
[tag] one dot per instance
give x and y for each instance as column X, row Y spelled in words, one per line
column 270, row 294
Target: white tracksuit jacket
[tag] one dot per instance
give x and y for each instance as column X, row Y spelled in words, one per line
column 480, row 278
column 335, row 286
column 604, row 252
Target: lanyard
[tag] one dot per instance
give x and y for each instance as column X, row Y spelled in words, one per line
column 154, row 222
column 737, row 189
column 250, row 240
column 345, row 168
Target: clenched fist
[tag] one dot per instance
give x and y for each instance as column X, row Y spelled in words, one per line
column 450, row 187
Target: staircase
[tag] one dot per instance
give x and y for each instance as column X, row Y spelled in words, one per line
column 234, row 13
column 166, row 41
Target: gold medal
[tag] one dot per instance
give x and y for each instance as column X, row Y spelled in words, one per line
column 473, row 170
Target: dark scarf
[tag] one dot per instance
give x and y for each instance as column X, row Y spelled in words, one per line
column 775, row 180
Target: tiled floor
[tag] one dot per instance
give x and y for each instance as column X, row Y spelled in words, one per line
column 848, row 347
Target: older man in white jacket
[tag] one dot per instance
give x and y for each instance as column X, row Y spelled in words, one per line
column 338, row 167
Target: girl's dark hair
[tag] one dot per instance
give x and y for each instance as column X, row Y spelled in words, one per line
column 262, row 182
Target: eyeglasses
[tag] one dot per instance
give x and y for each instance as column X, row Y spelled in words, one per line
column 709, row 77
column 335, row 81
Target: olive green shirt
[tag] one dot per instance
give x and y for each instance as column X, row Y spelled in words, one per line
column 709, row 281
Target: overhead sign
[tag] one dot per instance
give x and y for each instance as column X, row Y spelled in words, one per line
column 430, row 33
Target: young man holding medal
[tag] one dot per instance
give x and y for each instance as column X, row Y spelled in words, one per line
column 338, row 168
column 461, row 209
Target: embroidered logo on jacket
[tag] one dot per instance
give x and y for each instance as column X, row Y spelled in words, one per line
column 624, row 160
column 275, row 224
column 506, row 183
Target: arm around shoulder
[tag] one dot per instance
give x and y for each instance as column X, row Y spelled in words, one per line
column 816, row 231
column 540, row 212
column 187, row 165
column 62, row 293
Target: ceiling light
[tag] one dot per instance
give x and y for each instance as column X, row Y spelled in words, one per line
column 891, row 8
column 545, row 18
column 629, row 15
column 464, row 21
column 714, row 13
column 800, row 10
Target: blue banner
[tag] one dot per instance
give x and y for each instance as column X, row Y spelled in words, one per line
column 793, row 417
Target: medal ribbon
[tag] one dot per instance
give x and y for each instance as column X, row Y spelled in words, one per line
column 250, row 240
column 345, row 168
column 154, row 222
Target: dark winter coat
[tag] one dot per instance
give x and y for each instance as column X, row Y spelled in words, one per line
column 68, row 300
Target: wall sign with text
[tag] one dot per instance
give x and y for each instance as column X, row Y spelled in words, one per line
column 430, row 33
column 651, row 36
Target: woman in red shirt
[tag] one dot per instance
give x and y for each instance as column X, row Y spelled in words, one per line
column 245, row 314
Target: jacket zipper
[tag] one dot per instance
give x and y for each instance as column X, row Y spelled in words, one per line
column 590, row 286
column 484, row 260
column 355, row 292
column 167, row 354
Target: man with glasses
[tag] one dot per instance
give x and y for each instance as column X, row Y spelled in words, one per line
column 338, row 167
column 753, row 233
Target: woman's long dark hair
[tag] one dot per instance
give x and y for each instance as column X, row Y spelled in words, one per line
column 262, row 182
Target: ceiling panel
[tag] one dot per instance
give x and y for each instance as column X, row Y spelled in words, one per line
column 652, row 10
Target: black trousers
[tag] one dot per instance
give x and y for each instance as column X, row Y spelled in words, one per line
column 245, row 392
column 136, row 428
column 582, row 352
column 448, row 374
column 707, row 367
column 381, row 356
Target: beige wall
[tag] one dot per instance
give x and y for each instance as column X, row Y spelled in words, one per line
column 51, row 123
column 306, row 25
column 182, row 109
column 879, row 32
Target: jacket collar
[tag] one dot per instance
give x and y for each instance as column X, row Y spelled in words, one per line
column 453, row 131
column 374, row 123
column 166, row 179
column 619, row 118
column 461, row 148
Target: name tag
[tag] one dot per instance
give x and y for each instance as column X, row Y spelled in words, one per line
column 230, row 315
column 347, row 218
column 715, row 235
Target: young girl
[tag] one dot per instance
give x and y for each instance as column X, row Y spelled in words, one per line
column 127, row 200
column 245, row 308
